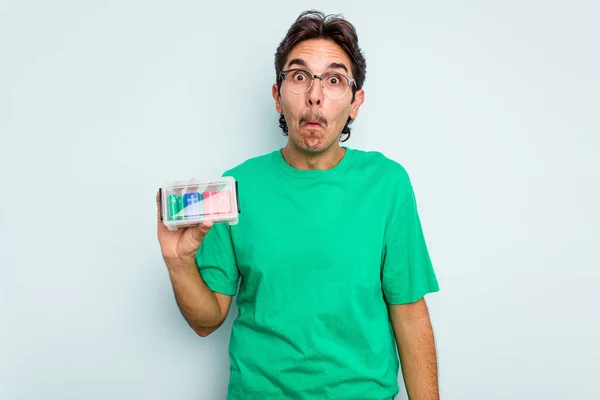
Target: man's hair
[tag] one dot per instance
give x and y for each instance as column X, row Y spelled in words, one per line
column 313, row 24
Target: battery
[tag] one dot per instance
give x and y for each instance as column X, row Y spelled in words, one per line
column 190, row 202
column 222, row 202
column 209, row 202
column 180, row 207
column 173, row 206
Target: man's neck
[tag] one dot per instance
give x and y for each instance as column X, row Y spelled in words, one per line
column 301, row 160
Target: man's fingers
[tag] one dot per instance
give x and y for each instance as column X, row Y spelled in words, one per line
column 158, row 206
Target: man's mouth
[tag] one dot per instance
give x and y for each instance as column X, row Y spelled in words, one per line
column 312, row 124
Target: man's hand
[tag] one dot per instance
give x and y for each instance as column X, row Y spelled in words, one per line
column 416, row 347
column 182, row 244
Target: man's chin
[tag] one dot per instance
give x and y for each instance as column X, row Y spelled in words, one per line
column 313, row 143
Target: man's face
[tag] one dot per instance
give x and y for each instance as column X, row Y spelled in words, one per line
column 315, row 120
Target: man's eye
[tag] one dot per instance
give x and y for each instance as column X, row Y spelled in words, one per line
column 299, row 77
column 334, row 80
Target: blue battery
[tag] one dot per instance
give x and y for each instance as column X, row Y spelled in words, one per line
column 192, row 204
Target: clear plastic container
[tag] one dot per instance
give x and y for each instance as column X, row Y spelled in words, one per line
column 190, row 202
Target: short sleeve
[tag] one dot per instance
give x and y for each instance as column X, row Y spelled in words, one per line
column 407, row 270
column 216, row 260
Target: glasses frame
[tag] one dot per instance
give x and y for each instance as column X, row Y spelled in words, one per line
column 351, row 81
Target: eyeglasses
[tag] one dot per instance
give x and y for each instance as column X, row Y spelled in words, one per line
column 334, row 84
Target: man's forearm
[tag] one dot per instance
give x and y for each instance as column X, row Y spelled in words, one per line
column 416, row 347
column 196, row 301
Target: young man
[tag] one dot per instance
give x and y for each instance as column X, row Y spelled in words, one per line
column 329, row 253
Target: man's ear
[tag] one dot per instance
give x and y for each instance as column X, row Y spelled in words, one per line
column 359, row 99
column 277, row 98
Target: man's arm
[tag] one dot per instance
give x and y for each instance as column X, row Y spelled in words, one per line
column 204, row 310
column 416, row 347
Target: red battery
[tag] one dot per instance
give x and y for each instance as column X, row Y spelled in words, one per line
column 209, row 202
column 223, row 202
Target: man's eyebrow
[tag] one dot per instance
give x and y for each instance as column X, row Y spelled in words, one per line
column 337, row 65
column 302, row 63
column 298, row 61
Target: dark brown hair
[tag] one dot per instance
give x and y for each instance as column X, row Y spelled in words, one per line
column 313, row 24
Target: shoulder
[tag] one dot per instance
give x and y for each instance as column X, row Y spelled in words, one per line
column 253, row 166
column 387, row 169
column 392, row 179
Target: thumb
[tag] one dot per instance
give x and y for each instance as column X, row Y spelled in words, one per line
column 200, row 231
column 191, row 239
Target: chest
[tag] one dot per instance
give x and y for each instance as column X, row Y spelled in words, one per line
column 317, row 233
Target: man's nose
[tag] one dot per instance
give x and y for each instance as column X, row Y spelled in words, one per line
column 315, row 94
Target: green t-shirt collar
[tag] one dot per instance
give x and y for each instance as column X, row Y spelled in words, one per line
column 284, row 167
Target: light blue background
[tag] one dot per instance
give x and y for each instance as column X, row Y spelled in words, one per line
column 491, row 106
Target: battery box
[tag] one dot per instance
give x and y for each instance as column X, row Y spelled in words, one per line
column 190, row 202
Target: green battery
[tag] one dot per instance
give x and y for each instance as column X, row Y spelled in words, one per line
column 180, row 206
column 173, row 206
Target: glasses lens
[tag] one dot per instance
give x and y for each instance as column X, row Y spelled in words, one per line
column 335, row 85
column 298, row 82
